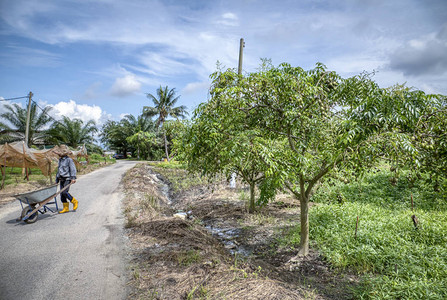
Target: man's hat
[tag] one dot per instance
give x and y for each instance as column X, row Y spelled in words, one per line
column 63, row 151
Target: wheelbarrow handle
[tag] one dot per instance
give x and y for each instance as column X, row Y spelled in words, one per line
column 41, row 204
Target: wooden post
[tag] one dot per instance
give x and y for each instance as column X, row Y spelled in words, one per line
column 4, row 170
column 3, row 177
column 49, row 170
column 412, row 206
column 24, row 162
column 356, row 226
column 28, row 114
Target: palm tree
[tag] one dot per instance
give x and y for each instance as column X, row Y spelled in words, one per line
column 164, row 107
column 16, row 116
column 114, row 134
column 131, row 125
column 135, row 124
column 72, row 132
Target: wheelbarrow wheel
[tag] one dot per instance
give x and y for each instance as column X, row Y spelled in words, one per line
column 32, row 218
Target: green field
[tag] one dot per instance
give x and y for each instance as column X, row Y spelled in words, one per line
column 393, row 258
column 14, row 176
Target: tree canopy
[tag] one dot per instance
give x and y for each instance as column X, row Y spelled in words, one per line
column 298, row 126
column 164, row 107
column 13, row 124
column 132, row 134
column 72, row 132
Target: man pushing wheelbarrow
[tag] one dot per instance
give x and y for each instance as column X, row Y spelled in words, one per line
column 66, row 174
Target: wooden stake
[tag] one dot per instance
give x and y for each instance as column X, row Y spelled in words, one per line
column 356, row 226
column 412, row 206
column 3, row 177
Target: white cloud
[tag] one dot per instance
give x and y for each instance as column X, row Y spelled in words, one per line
column 183, row 44
column 125, row 86
column 194, row 87
column 229, row 16
column 92, row 91
column 422, row 56
column 352, row 65
column 3, row 103
column 166, row 40
column 121, row 116
column 84, row 112
column 26, row 56
column 164, row 64
column 228, row 19
column 428, row 88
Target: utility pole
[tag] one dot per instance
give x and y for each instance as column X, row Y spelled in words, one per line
column 241, row 50
column 239, row 71
column 28, row 114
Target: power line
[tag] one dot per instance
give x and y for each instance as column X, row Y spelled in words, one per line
column 43, row 111
column 9, row 99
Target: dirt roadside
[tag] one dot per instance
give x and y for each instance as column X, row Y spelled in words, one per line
column 219, row 251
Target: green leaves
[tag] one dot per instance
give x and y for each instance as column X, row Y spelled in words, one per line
column 16, row 116
column 292, row 127
column 399, row 262
column 72, row 132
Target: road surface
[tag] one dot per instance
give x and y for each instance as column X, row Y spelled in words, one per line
column 76, row 255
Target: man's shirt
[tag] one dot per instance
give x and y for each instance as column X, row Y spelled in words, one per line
column 66, row 168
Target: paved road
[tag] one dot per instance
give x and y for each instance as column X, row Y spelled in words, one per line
column 76, row 255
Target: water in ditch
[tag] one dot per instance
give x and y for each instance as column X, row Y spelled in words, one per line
column 227, row 236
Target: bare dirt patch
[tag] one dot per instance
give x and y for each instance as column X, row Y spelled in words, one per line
column 219, row 251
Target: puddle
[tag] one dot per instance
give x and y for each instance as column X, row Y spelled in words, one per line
column 165, row 191
column 164, row 188
column 228, row 237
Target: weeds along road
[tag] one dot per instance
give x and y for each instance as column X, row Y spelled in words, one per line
column 76, row 255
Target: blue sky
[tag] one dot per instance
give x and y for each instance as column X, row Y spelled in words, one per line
column 96, row 59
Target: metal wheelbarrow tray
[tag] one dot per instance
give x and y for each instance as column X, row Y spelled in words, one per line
column 36, row 201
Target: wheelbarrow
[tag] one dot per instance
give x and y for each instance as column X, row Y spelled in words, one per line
column 36, row 202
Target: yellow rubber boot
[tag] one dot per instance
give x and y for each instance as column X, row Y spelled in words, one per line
column 75, row 203
column 65, row 208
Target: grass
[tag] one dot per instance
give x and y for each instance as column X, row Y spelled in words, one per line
column 178, row 176
column 396, row 260
column 189, row 257
column 13, row 176
column 96, row 158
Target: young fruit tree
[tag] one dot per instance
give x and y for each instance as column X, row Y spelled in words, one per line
column 429, row 135
column 219, row 142
column 304, row 125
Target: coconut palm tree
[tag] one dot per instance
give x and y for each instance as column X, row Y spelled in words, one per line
column 131, row 125
column 164, row 107
column 13, row 123
column 135, row 124
column 72, row 132
column 114, row 134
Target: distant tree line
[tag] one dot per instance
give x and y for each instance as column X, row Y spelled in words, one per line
column 143, row 137
column 43, row 129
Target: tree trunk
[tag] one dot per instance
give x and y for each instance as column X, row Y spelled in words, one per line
column 138, row 147
column 304, row 238
column 3, row 176
column 166, row 145
column 251, row 207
